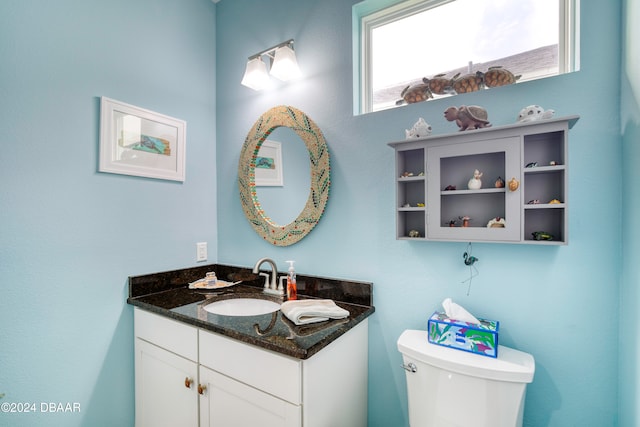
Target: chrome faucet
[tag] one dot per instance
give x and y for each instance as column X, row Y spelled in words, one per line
column 272, row 288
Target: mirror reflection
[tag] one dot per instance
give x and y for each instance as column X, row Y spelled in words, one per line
column 284, row 161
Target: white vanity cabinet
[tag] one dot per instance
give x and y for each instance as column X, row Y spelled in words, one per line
column 238, row 384
column 166, row 371
column 432, row 175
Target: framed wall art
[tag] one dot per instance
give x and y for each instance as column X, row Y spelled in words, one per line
column 269, row 165
column 139, row 142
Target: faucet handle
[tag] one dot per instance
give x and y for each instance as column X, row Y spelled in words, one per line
column 266, row 280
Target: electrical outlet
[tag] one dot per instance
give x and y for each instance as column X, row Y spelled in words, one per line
column 201, row 251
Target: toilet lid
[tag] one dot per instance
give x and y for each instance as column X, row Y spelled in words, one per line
column 510, row 365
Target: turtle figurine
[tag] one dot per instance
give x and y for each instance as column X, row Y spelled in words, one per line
column 541, row 235
column 498, row 76
column 468, row 117
column 440, row 85
column 415, row 93
column 469, row 82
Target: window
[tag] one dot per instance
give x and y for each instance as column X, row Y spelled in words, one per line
column 402, row 43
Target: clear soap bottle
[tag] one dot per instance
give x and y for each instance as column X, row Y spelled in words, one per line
column 292, row 290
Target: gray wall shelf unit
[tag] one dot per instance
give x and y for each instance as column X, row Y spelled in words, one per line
column 534, row 154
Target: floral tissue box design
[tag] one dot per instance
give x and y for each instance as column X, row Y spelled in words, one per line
column 480, row 338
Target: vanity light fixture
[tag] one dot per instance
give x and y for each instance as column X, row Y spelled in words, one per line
column 283, row 66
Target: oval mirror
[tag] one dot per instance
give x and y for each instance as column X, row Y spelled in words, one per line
column 320, row 176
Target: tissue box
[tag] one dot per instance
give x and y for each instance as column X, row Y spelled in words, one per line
column 480, row 338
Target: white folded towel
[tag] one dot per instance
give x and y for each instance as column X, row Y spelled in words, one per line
column 302, row 312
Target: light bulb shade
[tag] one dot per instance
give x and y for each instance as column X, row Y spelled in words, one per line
column 285, row 66
column 255, row 75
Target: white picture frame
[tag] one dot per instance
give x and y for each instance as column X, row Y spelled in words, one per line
column 268, row 168
column 139, row 142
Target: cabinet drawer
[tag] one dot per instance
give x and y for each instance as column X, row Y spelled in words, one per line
column 267, row 371
column 166, row 333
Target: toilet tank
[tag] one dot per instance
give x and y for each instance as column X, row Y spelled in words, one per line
column 448, row 387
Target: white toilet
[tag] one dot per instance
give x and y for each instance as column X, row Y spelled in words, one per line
column 453, row 388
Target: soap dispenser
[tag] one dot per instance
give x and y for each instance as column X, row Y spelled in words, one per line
column 292, row 291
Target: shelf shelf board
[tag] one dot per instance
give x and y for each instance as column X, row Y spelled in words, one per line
column 544, row 169
column 481, row 191
column 411, row 209
column 546, row 206
column 411, row 178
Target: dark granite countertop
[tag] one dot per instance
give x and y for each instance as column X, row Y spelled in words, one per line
column 167, row 294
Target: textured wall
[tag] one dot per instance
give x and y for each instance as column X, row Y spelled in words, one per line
column 558, row 303
column 70, row 236
column 629, row 391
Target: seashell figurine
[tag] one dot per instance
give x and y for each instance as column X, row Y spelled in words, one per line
column 419, row 130
column 475, row 183
column 533, row 113
column 513, row 184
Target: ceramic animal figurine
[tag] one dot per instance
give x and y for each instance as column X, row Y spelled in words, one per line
column 416, row 93
column 469, row 82
column 498, row 76
column 533, row 113
column 419, row 130
column 542, row 235
column 440, row 85
column 475, row 183
column 499, row 182
column 468, row 118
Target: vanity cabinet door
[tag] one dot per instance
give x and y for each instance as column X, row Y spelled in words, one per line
column 165, row 387
column 166, row 369
column 230, row 403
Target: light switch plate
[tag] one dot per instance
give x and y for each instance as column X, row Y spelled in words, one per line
column 201, row 251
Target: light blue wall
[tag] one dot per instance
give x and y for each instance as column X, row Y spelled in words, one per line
column 629, row 390
column 558, row 303
column 70, row 236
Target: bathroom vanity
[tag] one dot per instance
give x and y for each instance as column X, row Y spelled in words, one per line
column 196, row 368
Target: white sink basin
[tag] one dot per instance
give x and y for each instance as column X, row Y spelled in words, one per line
column 242, row 307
